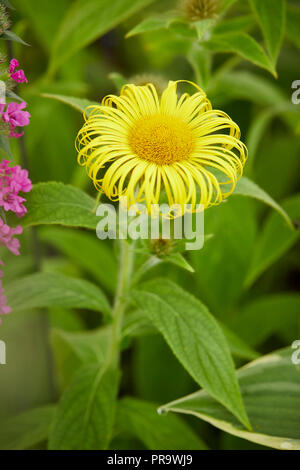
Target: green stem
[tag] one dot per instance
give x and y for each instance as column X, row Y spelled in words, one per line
column 97, row 201
column 125, row 271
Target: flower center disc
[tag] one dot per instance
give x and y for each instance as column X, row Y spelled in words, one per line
column 161, row 139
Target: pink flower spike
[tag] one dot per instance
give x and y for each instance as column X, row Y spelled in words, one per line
column 13, row 65
column 15, row 116
column 12, row 181
column 6, row 237
column 4, row 308
column 20, row 180
column 16, row 135
column 16, row 75
column 19, row 76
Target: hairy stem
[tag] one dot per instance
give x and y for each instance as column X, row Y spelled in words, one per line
column 126, row 262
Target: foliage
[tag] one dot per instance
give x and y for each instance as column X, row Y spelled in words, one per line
column 210, row 318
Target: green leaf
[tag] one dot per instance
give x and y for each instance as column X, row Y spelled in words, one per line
column 26, row 429
column 238, row 24
column 14, row 96
column 178, row 260
column 246, row 85
column 55, row 290
column 16, row 266
column 137, row 324
column 224, row 256
column 118, row 80
column 149, row 24
column 84, row 248
column 275, row 240
column 195, row 338
column 65, row 319
column 88, row 346
column 157, row 432
column 183, row 29
column 271, row 392
column 79, row 104
column 271, row 17
column 266, row 316
column 227, row 86
column 243, row 45
column 86, row 412
column 86, row 21
column 43, row 18
column 238, row 347
column 200, row 61
column 258, row 128
column 292, row 24
column 226, row 4
column 10, row 36
column 202, row 27
column 57, row 203
column 73, row 350
column 246, row 187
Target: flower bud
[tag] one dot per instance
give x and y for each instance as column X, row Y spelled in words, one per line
column 4, row 19
column 196, row 10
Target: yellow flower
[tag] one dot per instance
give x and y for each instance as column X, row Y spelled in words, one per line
column 138, row 145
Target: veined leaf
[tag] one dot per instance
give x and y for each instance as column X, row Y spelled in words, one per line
column 238, row 347
column 79, row 104
column 271, row 17
column 246, row 85
column 263, row 317
column 56, row 203
column 137, row 324
column 178, row 260
column 91, row 254
column 55, row 290
column 258, row 127
column 86, row 21
column 156, row 432
column 246, row 187
column 238, row 24
column 243, row 45
column 73, row 350
column 275, row 240
column 271, row 391
column 195, row 338
column 88, row 346
column 10, row 36
column 149, row 24
column 223, row 255
column 86, row 412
